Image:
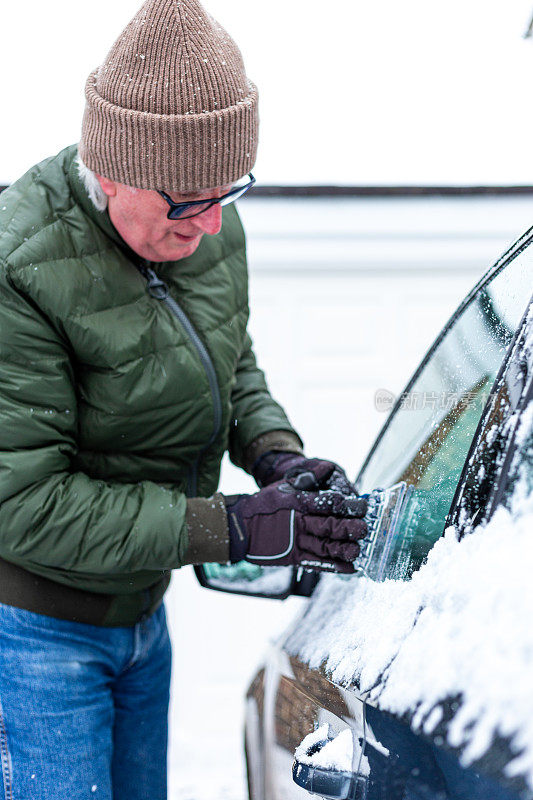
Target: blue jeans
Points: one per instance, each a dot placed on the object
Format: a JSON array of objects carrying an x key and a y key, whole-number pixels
[{"x": 83, "y": 709}]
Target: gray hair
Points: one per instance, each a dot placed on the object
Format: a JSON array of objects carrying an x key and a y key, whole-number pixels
[{"x": 92, "y": 185}]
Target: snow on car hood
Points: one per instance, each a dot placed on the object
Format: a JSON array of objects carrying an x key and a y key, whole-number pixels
[{"x": 461, "y": 626}]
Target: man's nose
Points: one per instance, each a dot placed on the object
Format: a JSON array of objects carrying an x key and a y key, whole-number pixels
[{"x": 210, "y": 220}]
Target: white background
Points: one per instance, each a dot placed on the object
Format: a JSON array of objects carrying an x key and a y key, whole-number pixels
[{"x": 352, "y": 91}]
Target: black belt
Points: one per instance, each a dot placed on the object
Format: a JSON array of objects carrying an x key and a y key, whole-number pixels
[{"x": 31, "y": 592}]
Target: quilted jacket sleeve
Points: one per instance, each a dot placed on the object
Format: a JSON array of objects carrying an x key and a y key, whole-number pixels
[
  {"x": 54, "y": 521},
  {"x": 255, "y": 412}
]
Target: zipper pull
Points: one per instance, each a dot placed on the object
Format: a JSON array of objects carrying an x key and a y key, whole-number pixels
[{"x": 155, "y": 286}]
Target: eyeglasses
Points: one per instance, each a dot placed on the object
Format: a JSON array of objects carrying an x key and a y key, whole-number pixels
[{"x": 195, "y": 207}]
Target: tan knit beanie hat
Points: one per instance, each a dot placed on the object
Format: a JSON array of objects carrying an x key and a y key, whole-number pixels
[{"x": 171, "y": 107}]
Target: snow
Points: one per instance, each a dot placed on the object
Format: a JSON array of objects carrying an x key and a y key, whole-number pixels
[
  {"x": 526, "y": 424},
  {"x": 336, "y": 754},
  {"x": 462, "y": 625},
  {"x": 321, "y": 734}
]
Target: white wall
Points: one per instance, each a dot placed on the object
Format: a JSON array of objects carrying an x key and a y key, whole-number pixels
[{"x": 352, "y": 91}]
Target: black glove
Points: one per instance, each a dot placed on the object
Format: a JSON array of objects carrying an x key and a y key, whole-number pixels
[
  {"x": 282, "y": 525},
  {"x": 276, "y": 466}
]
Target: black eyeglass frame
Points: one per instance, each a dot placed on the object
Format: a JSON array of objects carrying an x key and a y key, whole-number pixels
[{"x": 177, "y": 210}]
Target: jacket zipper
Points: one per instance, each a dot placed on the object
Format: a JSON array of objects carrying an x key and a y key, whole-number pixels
[{"x": 160, "y": 291}]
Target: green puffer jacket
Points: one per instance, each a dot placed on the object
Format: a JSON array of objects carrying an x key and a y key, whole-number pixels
[{"x": 108, "y": 415}]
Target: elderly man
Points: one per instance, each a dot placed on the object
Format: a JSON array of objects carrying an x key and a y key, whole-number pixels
[{"x": 126, "y": 373}]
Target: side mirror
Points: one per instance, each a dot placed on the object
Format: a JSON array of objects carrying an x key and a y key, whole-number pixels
[{"x": 244, "y": 578}]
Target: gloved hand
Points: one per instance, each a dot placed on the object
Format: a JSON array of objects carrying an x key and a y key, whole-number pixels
[
  {"x": 281, "y": 525},
  {"x": 276, "y": 466}
]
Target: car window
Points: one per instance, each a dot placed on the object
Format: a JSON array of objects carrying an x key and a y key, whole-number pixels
[{"x": 426, "y": 442}]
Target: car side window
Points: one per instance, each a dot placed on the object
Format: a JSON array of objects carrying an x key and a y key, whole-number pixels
[{"x": 427, "y": 440}]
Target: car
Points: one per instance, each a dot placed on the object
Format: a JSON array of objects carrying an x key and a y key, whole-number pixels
[{"x": 358, "y": 698}]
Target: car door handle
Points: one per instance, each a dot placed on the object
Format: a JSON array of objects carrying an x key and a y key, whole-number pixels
[{"x": 328, "y": 782}]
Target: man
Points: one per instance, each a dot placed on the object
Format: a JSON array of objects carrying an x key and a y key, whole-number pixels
[{"x": 126, "y": 373}]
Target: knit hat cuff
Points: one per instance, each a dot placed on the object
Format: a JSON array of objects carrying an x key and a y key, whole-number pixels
[{"x": 179, "y": 153}]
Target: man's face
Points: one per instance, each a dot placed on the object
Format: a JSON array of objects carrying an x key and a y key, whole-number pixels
[{"x": 140, "y": 217}]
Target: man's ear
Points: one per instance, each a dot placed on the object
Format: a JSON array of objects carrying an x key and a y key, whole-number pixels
[{"x": 109, "y": 187}]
